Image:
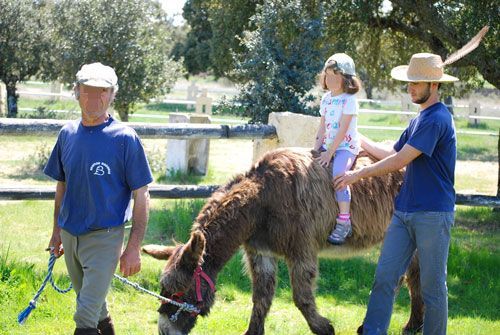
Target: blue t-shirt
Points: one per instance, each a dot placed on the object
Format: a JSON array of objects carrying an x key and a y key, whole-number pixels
[
  {"x": 429, "y": 179},
  {"x": 101, "y": 166}
]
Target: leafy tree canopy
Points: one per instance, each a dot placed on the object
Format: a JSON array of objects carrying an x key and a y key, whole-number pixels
[
  {"x": 277, "y": 72},
  {"x": 379, "y": 34},
  {"x": 132, "y": 36},
  {"x": 216, "y": 27},
  {"x": 23, "y": 43}
]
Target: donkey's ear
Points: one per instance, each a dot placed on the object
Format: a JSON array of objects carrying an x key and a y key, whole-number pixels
[
  {"x": 158, "y": 251},
  {"x": 193, "y": 250}
]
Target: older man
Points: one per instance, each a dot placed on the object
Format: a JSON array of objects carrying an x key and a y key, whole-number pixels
[
  {"x": 99, "y": 164},
  {"x": 424, "y": 208}
]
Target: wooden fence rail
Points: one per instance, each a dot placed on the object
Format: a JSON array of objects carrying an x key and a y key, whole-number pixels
[
  {"x": 155, "y": 191},
  {"x": 148, "y": 130},
  {"x": 195, "y": 191}
]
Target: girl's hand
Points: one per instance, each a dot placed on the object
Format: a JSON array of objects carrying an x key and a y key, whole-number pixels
[{"x": 324, "y": 158}]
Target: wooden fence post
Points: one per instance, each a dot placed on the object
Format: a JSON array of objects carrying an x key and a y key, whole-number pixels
[
  {"x": 204, "y": 103},
  {"x": 56, "y": 88},
  {"x": 177, "y": 150},
  {"x": 3, "y": 100},
  {"x": 406, "y": 106},
  {"x": 188, "y": 156},
  {"x": 192, "y": 93},
  {"x": 198, "y": 149},
  {"x": 474, "y": 110}
]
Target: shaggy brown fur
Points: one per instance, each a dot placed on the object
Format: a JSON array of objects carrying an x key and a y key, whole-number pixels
[{"x": 283, "y": 207}]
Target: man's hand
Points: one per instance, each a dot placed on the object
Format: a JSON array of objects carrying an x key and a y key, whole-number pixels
[
  {"x": 55, "y": 245},
  {"x": 346, "y": 179},
  {"x": 324, "y": 158},
  {"x": 130, "y": 262}
]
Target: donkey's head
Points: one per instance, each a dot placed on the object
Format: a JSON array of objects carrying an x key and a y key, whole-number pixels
[{"x": 183, "y": 281}]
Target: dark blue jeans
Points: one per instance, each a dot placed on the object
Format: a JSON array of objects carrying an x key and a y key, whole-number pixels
[{"x": 429, "y": 233}]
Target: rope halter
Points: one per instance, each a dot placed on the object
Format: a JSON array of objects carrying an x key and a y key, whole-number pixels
[{"x": 198, "y": 274}]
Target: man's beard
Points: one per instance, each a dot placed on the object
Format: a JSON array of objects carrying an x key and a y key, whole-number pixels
[{"x": 425, "y": 96}]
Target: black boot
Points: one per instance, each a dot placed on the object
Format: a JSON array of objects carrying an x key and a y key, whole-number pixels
[
  {"x": 87, "y": 331},
  {"x": 106, "y": 326}
]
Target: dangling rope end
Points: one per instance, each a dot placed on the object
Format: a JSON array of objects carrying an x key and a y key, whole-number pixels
[{"x": 21, "y": 318}]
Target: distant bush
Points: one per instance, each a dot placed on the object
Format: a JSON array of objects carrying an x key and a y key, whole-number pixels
[
  {"x": 36, "y": 161},
  {"x": 282, "y": 59},
  {"x": 156, "y": 159}
]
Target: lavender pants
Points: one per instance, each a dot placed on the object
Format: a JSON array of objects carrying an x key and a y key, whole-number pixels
[{"x": 343, "y": 162}]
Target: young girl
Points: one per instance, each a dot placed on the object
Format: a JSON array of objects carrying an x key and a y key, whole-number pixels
[{"x": 337, "y": 135}]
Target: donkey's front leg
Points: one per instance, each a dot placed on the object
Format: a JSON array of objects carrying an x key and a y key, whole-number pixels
[
  {"x": 263, "y": 272},
  {"x": 302, "y": 277}
]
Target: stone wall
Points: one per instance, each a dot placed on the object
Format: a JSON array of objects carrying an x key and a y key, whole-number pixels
[{"x": 293, "y": 130}]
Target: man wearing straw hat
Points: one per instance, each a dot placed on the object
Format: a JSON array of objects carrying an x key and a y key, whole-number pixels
[{"x": 424, "y": 207}]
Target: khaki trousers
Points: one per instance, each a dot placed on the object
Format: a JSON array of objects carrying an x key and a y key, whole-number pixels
[{"x": 91, "y": 260}]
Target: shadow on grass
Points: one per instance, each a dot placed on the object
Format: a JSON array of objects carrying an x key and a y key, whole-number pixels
[
  {"x": 179, "y": 178},
  {"x": 28, "y": 174},
  {"x": 473, "y": 153}
]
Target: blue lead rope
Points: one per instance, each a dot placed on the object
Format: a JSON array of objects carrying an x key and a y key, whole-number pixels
[{"x": 21, "y": 318}]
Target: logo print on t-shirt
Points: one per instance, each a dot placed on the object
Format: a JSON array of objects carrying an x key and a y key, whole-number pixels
[{"x": 100, "y": 169}]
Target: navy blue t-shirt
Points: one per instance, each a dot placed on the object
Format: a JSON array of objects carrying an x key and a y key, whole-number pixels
[
  {"x": 429, "y": 179},
  {"x": 101, "y": 166}
]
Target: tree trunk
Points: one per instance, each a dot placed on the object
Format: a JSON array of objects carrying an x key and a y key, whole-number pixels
[
  {"x": 123, "y": 112},
  {"x": 369, "y": 90},
  {"x": 11, "y": 99}
]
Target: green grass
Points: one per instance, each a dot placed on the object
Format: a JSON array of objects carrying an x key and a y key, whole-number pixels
[
  {"x": 342, "y": 293},
  {"x": 62, "y": 104}
]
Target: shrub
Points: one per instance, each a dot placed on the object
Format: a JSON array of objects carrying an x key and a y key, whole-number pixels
[
  {"x": 38, "y": 159},
  {"x": 282, "y": 60}
]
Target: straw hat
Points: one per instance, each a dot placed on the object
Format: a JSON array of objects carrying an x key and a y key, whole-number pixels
[{"x": 424, "y": 67}]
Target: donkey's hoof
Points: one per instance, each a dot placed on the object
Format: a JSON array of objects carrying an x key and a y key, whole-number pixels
[{"x": 324, "y": 329}]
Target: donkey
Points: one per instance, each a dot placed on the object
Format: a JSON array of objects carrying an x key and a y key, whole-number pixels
[{"x": 284, "y": 206}]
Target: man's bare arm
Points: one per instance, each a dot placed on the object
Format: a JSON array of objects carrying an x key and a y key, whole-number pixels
[
  {"x": 130, "y": 261},
  {"x": 391, "y": 163},
  {"x": 377, "y": 150},
  {"x": 55, "y": 244}
]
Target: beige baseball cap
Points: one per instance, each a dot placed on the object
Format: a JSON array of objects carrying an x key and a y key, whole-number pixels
[{"x": 97, "y": 75}]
